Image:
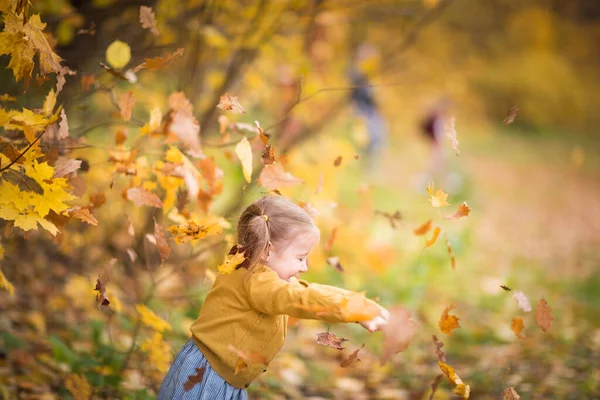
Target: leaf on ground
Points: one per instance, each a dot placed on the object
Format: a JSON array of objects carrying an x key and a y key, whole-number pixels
[
  {"x": 244, "y": 153},
  {"x": 352, "y": 358},
  {"x": 522, "y": 300},
  {"x": 451, "y": 134},
  {"x": 84, "y": 215},
  {"x": 448, "y": 322},
  {"x": 543, "y": 315},
  {"x": 441, "y": 354},
  {"x": 275, "y": 177},
  {"x": 423, "y": 229},
  {"x": 450, "y": 252},
  {"x": 512, "y": 114},
  {"x": 148, "y": 19},
  {"x": 65, "y": 166},
  {"x": 330, "y": 339},
  {"x": 335, "y": 263},
  {"x": 517, "y": 326},
  {"x": 126, "y": 104},
  {"x": 161, "y": 242},
  {"x": 158, "y": 63},
  {"x": 510, "y": 394},
  {"x": 142, "y": 197},
  {"x": 463, "y": 211},
  {"x": 228, "y": 102},
  {"x": 194, "y": 379},
  {"x": 461, "y": 389},
  {"x": 231, "y": 262},
  {"x": 438, "y": 199},
  {"x": 398, "y": 332},
  {"x": 432, "y": 240}
]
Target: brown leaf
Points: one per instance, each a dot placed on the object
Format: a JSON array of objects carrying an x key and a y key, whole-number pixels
[
  {"x": 543, "y": 315},
  {"x": 268, "y": 156},
  {"x": 436, "y": 233},
  {"x": 335, "y": 263},
  {"x": 65, "y": 166},
  {"x": 393, "y": 218},
  {"x": 435, "y": 384},
  {"x": 113, "y": 71},
  {"x": 351, "y": 358},
  {"x": 87, "y": 81},
  {"x": 102, "y": 297},
  {"x": 183, "y": 123},
  {"x": 512, "y": 113},
  {"x": 158, "y": 63},
  {"x": 126, "y": 103},
  {"x": 450, "y": 251},
  {"x": 63, "y": 125},
  {"x": 517, "y": 326},
  {"x": 97, "y": 199},
  {"x": 121, "y": 136},
  {"x": 463, "y": 211},
  {"x": 506, "y": 288},
  {"x": 441, "y": 354},
  {"x": 338, "y": 161},
  {"x": 331, "y": 340},
  {"x": 228, "y": 102},
  {"x": 161, "y": 243},
  {"x": 398, "y": 332},
  {"x": 142, "y": 197},
  {"x": 510, "y": 394},
  {"x": 83, "y": 214},
  {"x": 194, "y": 379},
  {"x": 148, "y": 19},
  {"x": 448, "y": 322},
  {"x": 274, "y": 177}
]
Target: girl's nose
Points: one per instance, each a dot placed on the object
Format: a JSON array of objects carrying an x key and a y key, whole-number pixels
[{"x": 304, "y": 267}]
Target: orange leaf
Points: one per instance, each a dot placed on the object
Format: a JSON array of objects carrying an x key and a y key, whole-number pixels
[
  {"x": 510, "y": 394},
  {"x": 253, "y": 357},
  {"x": 157, "y": 63},
  {"x": 331, "y": 340},
  {"x": 228, "y": 102},
  {"x": 126, "y": 103},
  {"x": 447, "y": 321},
  {"x": 461, "y": 389},
  {"x": 437, "y": 200},
  {"x": 87, "y": 81},
  {"x": 512, "y": 113},
  {"x": 141, "y": 197},
  {"x": 543, "y": 315},
  {"x": 463, "y": 211},
  {"x": 268, "y": 156},
  {"x": 194, "y": 379},
  {"x": 356, "y": 307},
  {"x": 398, "y": 332},
  {"x": 161, "y": 243},
  {"x": 423, "y": 229},
  {"x": 83, "y": 214},
  {"x": 351, "y": 358},
  {"x": 517, "y": 326},
  {"x": 274, "y": 177},
  {"x": 436, "y": 233},
  {"x": 331, "y": 239}
]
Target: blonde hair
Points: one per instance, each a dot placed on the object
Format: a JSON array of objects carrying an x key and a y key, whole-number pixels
[{"x": 272, "y": 219}]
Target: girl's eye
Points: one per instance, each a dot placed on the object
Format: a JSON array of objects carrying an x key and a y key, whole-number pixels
[{"x": 301, "y": 259}]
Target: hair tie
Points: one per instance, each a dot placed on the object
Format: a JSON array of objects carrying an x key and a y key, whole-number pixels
[{"x": 265, "y": 217}]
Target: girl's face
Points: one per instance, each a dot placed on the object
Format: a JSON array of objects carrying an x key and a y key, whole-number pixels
[{"x": 289, "y": 258}]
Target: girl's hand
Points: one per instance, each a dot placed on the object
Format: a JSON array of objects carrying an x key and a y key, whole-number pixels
[{"x": 377, "y": 323}]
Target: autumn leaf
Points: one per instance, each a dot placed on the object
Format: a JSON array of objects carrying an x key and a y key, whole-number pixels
[
  {"x": 335, "y": 263},
  {"x": 268, "y": 156},
  {"x": 435, "y": 383},
  {"x": 228, "y": 102},
  {"x": 510, "y": 394},
  {"x": 338, "y": 161},
  {"x": 87, "y": 81},
  {"x": 126, "y": 103},
  {"x": 5, "y": 284},
  {"x": 65, "y": 166},
  {"x": 451, "y": 134},
  {"x": 439, "y": 199},
  {"x": 517, "y": 326},
  {"x": 244, "y": 153},
  {"x": 102, "y": 296},
  {"x": 188, "y": 232},
  {"x": 331, "y": 239},
  {"x": 7, "y": 97},
  {"x": 512, "y": 113},
  {"x": 231, "y": 262},
  {"x": 159, "y": 352},
  {"x": 461, "y": 389},
  {"x": 158, "y": 63},
  {"x": 423, "y": 229},
  {"x": 356, "y": 307},
  {"x": 150, "y": 319},
  {"x": 352, "y": 358},
  {"x": 274, "y": 177},
  {"x": 330, "y": 339},
  {"x": 194, "y": 379},
  {"x": 448, "y": 322},
  {"x": 148, "y": 19},
  {"x": 240, "y": 366},
  {"x": 522, "y": 300},
  {"x": 441, "y": 354},
  {"x": 543, "y": 315},
  {"x": 161, "y": 243},
  {"x": 506, "y": 288},
  {"x": 463, "y": 211},
  {"x": 63, "y": 125},
  {"x": 142, "y": 197},
  {"x": 398, "y": 332},
  {"x": 49, "y": 103},
  {"x": 183, "y": 123},
  {"x": 84, "y": 215},
  {"x": 79, "y": 387},
  {"x": 393, "y": 218},
  {"x": 118, "y": 54},
  {"x": 450, "y": 252},
  {"x": 432, "y": 240}
]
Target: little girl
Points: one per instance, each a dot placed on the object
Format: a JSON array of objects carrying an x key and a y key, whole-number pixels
[{"x": 247, "y": 311}]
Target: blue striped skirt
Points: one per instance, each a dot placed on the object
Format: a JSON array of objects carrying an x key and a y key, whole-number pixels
[{"x": 212, "y": 386}]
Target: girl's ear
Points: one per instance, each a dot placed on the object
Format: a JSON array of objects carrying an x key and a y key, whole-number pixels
[{"x": 269, "y": 248}]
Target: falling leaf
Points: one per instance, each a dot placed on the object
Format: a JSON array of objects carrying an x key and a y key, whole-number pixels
[
  {"x": 320, "y": 184},
  {"x": 183, "y": 123},
  {"x": 244, "y": 153},
  {"x": 510, "y": 394},
  {"x": 393, "y": 218},
  {"x": 194, "y": 379},
  {"x": 512, "y": 113},
  {"x": 268, "y": 156},
  {"x": 253, "y": 357},
  {"x": 65, "y": 166},
  {"x": 142, "y": 197},
  {"x": 461, "y": 389},
  {"x": 517, "y": 326},
  {"x": 543, "y": 315},
  {"x": 161, "y": 243},
  {"x": 331, "y": 340},
  {"x": 331, "y": 239},
  {"x": 126, "y": 103},
  {"x": 352, "y": 358},
  {"x": 338, "y": 161},
  {"x": 423, "y": 229},
  {"x": 87, "y": 81},
  {"x": 450, "y": 251},
  {"x": 312, "y": 211},
  {"x": 436, "y": 233},
  {"x": 522, "y": 300},
  {"x": 158, "y": 63},
  {"x": 441, "y": 354},
  {"x": 463, "y": 211},
  {"x": 63, "y": 125},
  {"x": 398, "y": 332},
  {"x": 451, "y": 134},
  {"x": 49, "y": 103},
  {"x": 506, "y": 288},
  {"x": 356, "y": 307},
  {"x": 439, "y": 199},
  {"x": 448, "y": 322},
  {"x": 231, "y": 262},
  {"x": 118, "y": 54},
  {"x": 434, "y": 385},
  {"x": 5, "y": 284},
  {"x": 148, "y": 19},
  {"x": 113, "y": 71},
  {"x": 275, "y": 177},
  {"x": 335, "y": 263},
  {"x": 228, "y": 102},
  {"x": 83, "y": 214}
]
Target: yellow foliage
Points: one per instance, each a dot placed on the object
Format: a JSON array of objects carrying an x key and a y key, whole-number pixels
[
  {"x": 159, "y": 352},
  {"x": 231, "y": 262},
  {"x": 79, "y": 387},
  {"x": 152, "y": 320},
  {"x": 461, "y": 389},
  {"x": 5, "y": 284}
]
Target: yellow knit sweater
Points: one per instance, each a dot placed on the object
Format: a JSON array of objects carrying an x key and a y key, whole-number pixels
[{"x": 251, "y": 314}]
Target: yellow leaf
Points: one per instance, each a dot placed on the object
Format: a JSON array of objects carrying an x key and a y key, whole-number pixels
[
  {"x": 517, "y": 326},
  {"x": 158, "y": 63},
  {"x": 213, "y": 37},
  {"x": 244, "y": 153},
  {"x": 5, "y": 284},
  {"x": 126, "y": 103},
  {"x": 436, "y": 233},
  {"x": 460, "y": 389},
  {"x": 49, "y": 103},
  {"x": 79, "y": 387},
  {"x": 118, "y": 54},
  {"x": 439, "y": 199},
  {"x": 463, "y": 211},
  {"x": 152, "y": 320},
  {"x": 231, "y": 262},
  {"x": 154, "y": 124},
  {"x": 447, "y": 321},
  {"x": 159, "y": 352}
]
